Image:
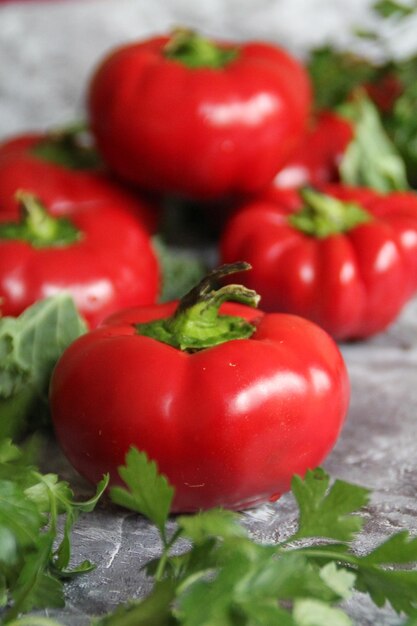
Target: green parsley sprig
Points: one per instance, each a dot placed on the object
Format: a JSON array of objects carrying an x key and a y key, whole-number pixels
[
  {"x": 225, "y": 578},
  {"x": 33, "y": 563},
  {"x": 30, "y": 345}
]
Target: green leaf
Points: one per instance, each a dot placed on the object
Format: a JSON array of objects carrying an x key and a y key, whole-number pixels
[
  {"x": 211, "y": 523},
  {"x": 48, "y": 489},
  {"x": 180, "y": 270},
  {"x": 73, "y": 509},
  {"x": 8, "y": 546},
  {"x": 398, "y": 587},
  {"x": 240, "y": 574},
  {"x": 266, "y": 614},
  {"x": 34, "y": 587},
  {"x": 390, "y": 8},
  {"x": 3, "y": 591},
  {"x": 18, "y": 516},
  {"x": 216, "y": 595},
  {"x": 46, "y": 329},
  {"x": 34, "y": 620},
  {"x": 315, "y": 613},
  {"x": 287, "y": 577},
  {"x": 336, "y": 74},
  {"x": 328, "y": 511},
  {"x": 402, "y": 123},
  {"x": 30, "y": 345},
  {"x": 340, "y": 580},
  {"x": 399, "y": 548},
  {"x": 371, "y": 159},
  {"x": 9, "y": 452},
  {"x": 89, "y": 505},
  {"x": 148, "y": 493},
  {"x": 14, "y": 370}
]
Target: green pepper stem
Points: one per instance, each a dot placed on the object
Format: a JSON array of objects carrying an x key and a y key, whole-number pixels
[
  {"x": 196, "y": 323},
  {"x": 196, "y": 51},
  {"x": 323, "y": 215},
  {"x": 37, "y": 227},
  {"x": 69, "y": 147}
]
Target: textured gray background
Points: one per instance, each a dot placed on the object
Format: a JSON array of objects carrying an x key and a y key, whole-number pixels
[
  {"x": 47, "y": 53},
  {"x": 49, "y": 49}
]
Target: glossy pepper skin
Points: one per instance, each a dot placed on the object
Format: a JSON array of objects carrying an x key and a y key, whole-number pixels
[
  {"x": 352, "y": 283},
  {"x": 316, "y": 161},
  {"x": 108, "y": 263},
  {"x": 63, "y": 188},
  {"x": 228, "y": 425},
  {"x": 203, "y": 131}
]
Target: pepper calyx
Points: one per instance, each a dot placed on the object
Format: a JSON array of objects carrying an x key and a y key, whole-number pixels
[
  {"x": 196, "y": 51},
  {"x": 69, "y": 147},
  {"x": 196, "y": 323},
  {"x": 37, "y": 227},
  {"x": 322, "y": 215}
]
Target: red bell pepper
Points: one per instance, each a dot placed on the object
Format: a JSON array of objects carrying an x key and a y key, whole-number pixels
[
  {"x": 102, "y": 256},
  {"x": 187, "y": 115},
  {"x": 230, "y": 406},
  {"x": 349, "y": 146},
  {"x": 347, "y": 260},
  {"x": 65, "y": 174},
  {"x": 317, "y": 159}
]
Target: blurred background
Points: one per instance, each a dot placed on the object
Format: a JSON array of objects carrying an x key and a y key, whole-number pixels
[{"x": 48, "y": 48}]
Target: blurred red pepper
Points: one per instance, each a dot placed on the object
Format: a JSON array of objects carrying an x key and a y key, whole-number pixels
[
  {"x": 101, "y": 255},
  {"x": 203, "y": 119},
  {"x": 65, "y": 174},
  {"x": 384, "y": 90},
  {"x": 346, "y": 258},
  {"x": 349, "y": 145},
  {"x": 317, "y": 159}
]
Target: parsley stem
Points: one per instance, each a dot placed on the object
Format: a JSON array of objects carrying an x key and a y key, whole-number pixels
[
  {"x": 165, "y": 554},
  {"x": 34, "y": 621},
  {"x": 190, "y": 580},
  {"x": 349, "y": 559}
]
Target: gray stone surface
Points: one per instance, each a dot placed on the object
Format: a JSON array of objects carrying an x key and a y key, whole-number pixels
[{"x": 47, "y": 53}]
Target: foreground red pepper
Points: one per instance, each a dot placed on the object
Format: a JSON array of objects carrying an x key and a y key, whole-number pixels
[
  {"x": 65, "y": 174},
  {"x": 230, "y": 406},
  {"x": 349, "y": 266},
  {"x": 187, "y": 115},
  {"x": 102, "y": 256}
]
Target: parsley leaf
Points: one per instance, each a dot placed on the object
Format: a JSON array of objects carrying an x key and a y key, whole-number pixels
[
  {"x": 298, "y": 582},
  {"x": 214, "y": 522},
  {"x": 20, "y": 521},
  {"x": 180, "y": 270},
  {"x": 390, "y": 8},
  {"x": 317, "y": 613},
  {"x": 31, "y": 567},
  {"x": 148, "y": 492},
  {"x": 336, "y": 74},
  {"x": 385, "y": 585},
  {"x": 328, "y": 512},
  {"x": 30, "y": 345},
  {"x": 399, "y": 548},
  {"x": 371, "y": 159}
]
